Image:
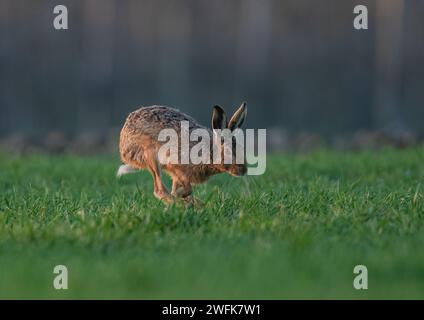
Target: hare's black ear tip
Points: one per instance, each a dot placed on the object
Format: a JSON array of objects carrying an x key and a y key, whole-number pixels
[
  {"x": 217, "y": 108},
  {"x": 243, "y": 107}
]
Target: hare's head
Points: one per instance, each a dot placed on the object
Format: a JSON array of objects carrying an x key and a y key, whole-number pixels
[{"x": 229, "y": 140}]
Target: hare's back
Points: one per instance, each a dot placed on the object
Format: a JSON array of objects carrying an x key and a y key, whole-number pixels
[{"x": 152, "y": 119}]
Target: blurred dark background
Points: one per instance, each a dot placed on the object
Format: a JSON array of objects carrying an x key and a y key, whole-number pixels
[{"x": 308, "y": 76}]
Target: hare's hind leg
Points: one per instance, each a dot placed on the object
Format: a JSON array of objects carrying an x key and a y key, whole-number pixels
[{"x": 153, "y": 166}]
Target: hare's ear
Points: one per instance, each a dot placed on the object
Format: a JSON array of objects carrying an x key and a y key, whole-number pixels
[
  {"x": 238, "y": 117},
  {"x": 219, "y": 118}
]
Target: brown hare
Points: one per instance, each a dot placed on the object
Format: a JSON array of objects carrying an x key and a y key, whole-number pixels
[{"x": 139, "y": 147}]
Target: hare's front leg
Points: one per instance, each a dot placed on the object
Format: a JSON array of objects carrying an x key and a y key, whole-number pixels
[
  {"x": 181, "y": 189},
  {"x": 159, "y": 189},
  {"x": 184, "y": 190}
]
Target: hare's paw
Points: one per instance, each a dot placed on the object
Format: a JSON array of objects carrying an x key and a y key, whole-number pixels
[
  {"x": 169, "y": 199},
  {"x": 193, "y": 201},
  {"x": 164, "y": 197}
]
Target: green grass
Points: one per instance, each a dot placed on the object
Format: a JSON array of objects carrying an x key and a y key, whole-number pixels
[{"x": 295, "y": 232}]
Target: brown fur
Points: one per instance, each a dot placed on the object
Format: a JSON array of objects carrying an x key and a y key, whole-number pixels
[{"x": 139, "y": 146}]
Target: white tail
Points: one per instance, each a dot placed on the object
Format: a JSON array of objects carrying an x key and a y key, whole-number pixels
[{"x": 125, "y": 169}]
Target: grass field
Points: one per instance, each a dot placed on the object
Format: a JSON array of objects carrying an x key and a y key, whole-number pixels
[{"x": 295, "y": 232}]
